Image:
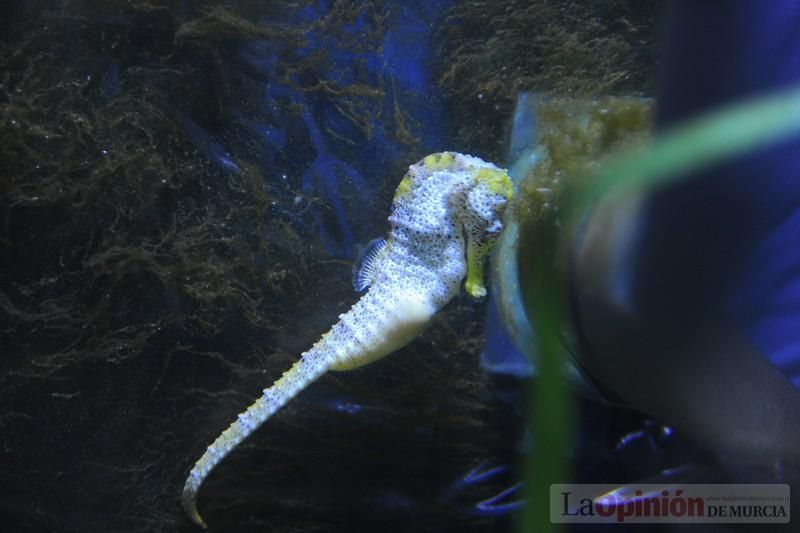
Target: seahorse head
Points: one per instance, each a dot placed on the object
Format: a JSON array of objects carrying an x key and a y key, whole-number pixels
[{"x": 458, "y": 195}]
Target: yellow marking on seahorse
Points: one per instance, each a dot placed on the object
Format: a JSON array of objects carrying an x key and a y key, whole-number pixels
[
  {"x": 497, "y": 180},
  {"x": 439, "y": 161},
  {"x": 403, "y": 188}
]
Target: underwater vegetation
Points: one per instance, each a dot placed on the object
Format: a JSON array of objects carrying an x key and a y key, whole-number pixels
[
  {"x": 171, "y": 240},
  {"x": 579, "y": 49},
  {"x": 183, "y": 188},
  {"x": 574, "y": 138},
  {"x": 556, "y": 144}
]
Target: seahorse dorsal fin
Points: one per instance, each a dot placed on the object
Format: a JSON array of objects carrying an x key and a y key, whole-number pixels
[{"x": 368, "y": 264}]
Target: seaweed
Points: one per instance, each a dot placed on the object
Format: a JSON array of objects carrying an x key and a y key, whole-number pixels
[
  {"x": 572, "y": 48},
  {"x": 159, "y": 266},
  {"x": 575, "y": 137}
]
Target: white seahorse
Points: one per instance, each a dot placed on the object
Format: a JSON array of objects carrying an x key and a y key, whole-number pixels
[{"x": 446, "y": 214}]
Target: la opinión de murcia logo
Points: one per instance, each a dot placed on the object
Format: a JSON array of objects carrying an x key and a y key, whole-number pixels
[{"x": 747, "y": 503}]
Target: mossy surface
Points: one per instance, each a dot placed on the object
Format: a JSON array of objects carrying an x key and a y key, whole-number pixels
[{"x": 575, "y": 137}]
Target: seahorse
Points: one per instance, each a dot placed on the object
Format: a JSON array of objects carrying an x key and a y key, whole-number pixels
[{"x": 446, "y": 214}]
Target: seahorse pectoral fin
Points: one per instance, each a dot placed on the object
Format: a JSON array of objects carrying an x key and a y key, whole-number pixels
[
  {"x": 367, "y": 264},
  {"x": 306, "y": 370}
]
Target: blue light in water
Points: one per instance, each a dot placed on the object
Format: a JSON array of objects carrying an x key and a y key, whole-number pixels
[
  {"x": 394, "y": 501},
  {"x": 211, "y": 148},
  {"x": 293, "y": 117},
  {"x": 349, "y": 408},
  {"x": 110, "y": 84},
  {"x": 496, "y": 505}
]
